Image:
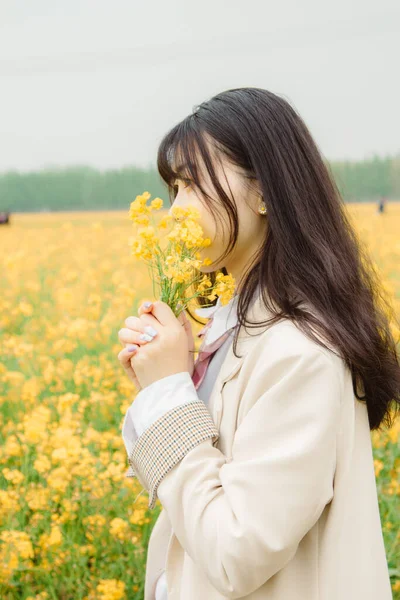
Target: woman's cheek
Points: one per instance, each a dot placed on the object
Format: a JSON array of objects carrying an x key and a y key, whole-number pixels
[{"x": 208, "y": 226}]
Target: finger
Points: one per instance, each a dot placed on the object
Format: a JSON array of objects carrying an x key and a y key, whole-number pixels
[
  {"x": 134, "y": 323},
  {"x": 140, "y": 323},
  {"x": 143, "y": 324},
  {"x": 150, "y": 323},
  {"x": 183, "y": 319},
  {"x": 125, "y": 355},
  {"x": 145, "y": 307},
  {"x": 163, "y": 313},
  {"x": 127, "y": 336},
  {"x": 146, "y": 316},
  {"x": 125, "y": 358}
]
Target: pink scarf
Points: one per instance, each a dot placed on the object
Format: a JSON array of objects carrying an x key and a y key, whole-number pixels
[{"x": 206, "y": 351}]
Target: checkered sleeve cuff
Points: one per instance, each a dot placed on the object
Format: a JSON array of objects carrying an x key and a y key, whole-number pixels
[{"x": 165, "y": 443}]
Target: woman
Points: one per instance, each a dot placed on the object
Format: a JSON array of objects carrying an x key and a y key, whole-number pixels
[{"x": 264, "y": 471}]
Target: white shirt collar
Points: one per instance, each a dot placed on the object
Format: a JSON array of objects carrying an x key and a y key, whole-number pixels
[{"x": 224, "y": 317}]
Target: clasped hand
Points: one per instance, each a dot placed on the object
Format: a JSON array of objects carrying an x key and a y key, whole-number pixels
[{"x": 167, "y": 349}]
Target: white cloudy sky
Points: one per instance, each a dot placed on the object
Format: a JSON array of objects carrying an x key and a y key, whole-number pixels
[{"x": 99, "y": 82}]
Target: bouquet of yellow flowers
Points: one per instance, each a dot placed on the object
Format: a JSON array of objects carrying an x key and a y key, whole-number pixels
[{"x": 173, "y": 257}]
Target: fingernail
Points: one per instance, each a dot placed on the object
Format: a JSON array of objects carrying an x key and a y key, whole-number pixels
[
  {"x": 147, "y": 304},
  {"x": 132, "y": 348},
  {"x": 150, "y": 330},
  {"x": 145, "y": 337}
]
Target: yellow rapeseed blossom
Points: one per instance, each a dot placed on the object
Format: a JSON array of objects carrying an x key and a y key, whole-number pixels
[
  {"x": 63, "y": 398},
  {"x": 108, "y": 589},
  {"x": 176, "y": 266},
  {"x": 16, "y": 551},
  {"x": 40, "y": 596},
  {"x": 13, "y": 475},
  {"x": 9, "y": 503},
  {"x": 119, "y": 529},
  {"x": 54, "y": 538}
]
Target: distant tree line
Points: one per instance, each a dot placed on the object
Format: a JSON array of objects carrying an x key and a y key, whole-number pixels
[
  {"x": 368, "y": 179},
  {"x": 86, "y": 188},
  {"x": 77, "y": 188}
]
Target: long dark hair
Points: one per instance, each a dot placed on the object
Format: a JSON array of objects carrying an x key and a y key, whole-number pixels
[{"x": 311, "y": 252}]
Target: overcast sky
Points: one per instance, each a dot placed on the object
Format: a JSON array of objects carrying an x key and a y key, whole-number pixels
[{"x": 99, "y": 82}]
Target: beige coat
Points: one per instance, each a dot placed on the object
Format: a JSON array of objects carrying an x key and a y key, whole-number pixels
[{"x": 270, "y": 492}]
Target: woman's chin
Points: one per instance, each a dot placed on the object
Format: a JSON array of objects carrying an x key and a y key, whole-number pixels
[{"x": 207, "y": 269}]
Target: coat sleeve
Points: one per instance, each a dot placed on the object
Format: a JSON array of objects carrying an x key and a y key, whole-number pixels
[
  {"x": 241, "y": 518},
  {"x": 151, "y": 403}
]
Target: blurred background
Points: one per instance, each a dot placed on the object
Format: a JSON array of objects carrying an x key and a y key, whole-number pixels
[{"x": 88, "y": 89}]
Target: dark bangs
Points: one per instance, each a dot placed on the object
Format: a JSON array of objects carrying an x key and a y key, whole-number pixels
[
  {"x": 178, "y": 157},
  {"x": 178, "y": 153}
]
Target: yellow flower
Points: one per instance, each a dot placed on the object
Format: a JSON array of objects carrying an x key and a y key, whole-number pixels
[
  {"x": 55, "y": 537},
  {"x": 42, "y": 464},
  {"x": 204, "y": 284},
  {"x": 378, "y": 464},
  {"x": 179, "y": 213},
  {"x": 110, "y": 589},
  {"x": 119, "y": 529},
  {"x": 174, "y": 259},
  {"x": 20, "y": 540},
  {"x": 148, "y": 234},
  {"x": 165, "y": 221},
  {"x": 138, "y": 207},
  {"x": 142, "y": 220},
  {"x": 156, "y": 204},
  {"x": 37, "y": 498},
  {"x": 225, "y": 287},
  {"x": 140, "y": 250},
  {"x": 13, "y": 475}
]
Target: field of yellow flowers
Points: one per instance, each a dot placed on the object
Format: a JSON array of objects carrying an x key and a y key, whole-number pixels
[{"x": 69, "y": 526}]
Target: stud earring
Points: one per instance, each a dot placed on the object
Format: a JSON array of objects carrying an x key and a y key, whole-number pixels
[{"x": 262, "y": 209}]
